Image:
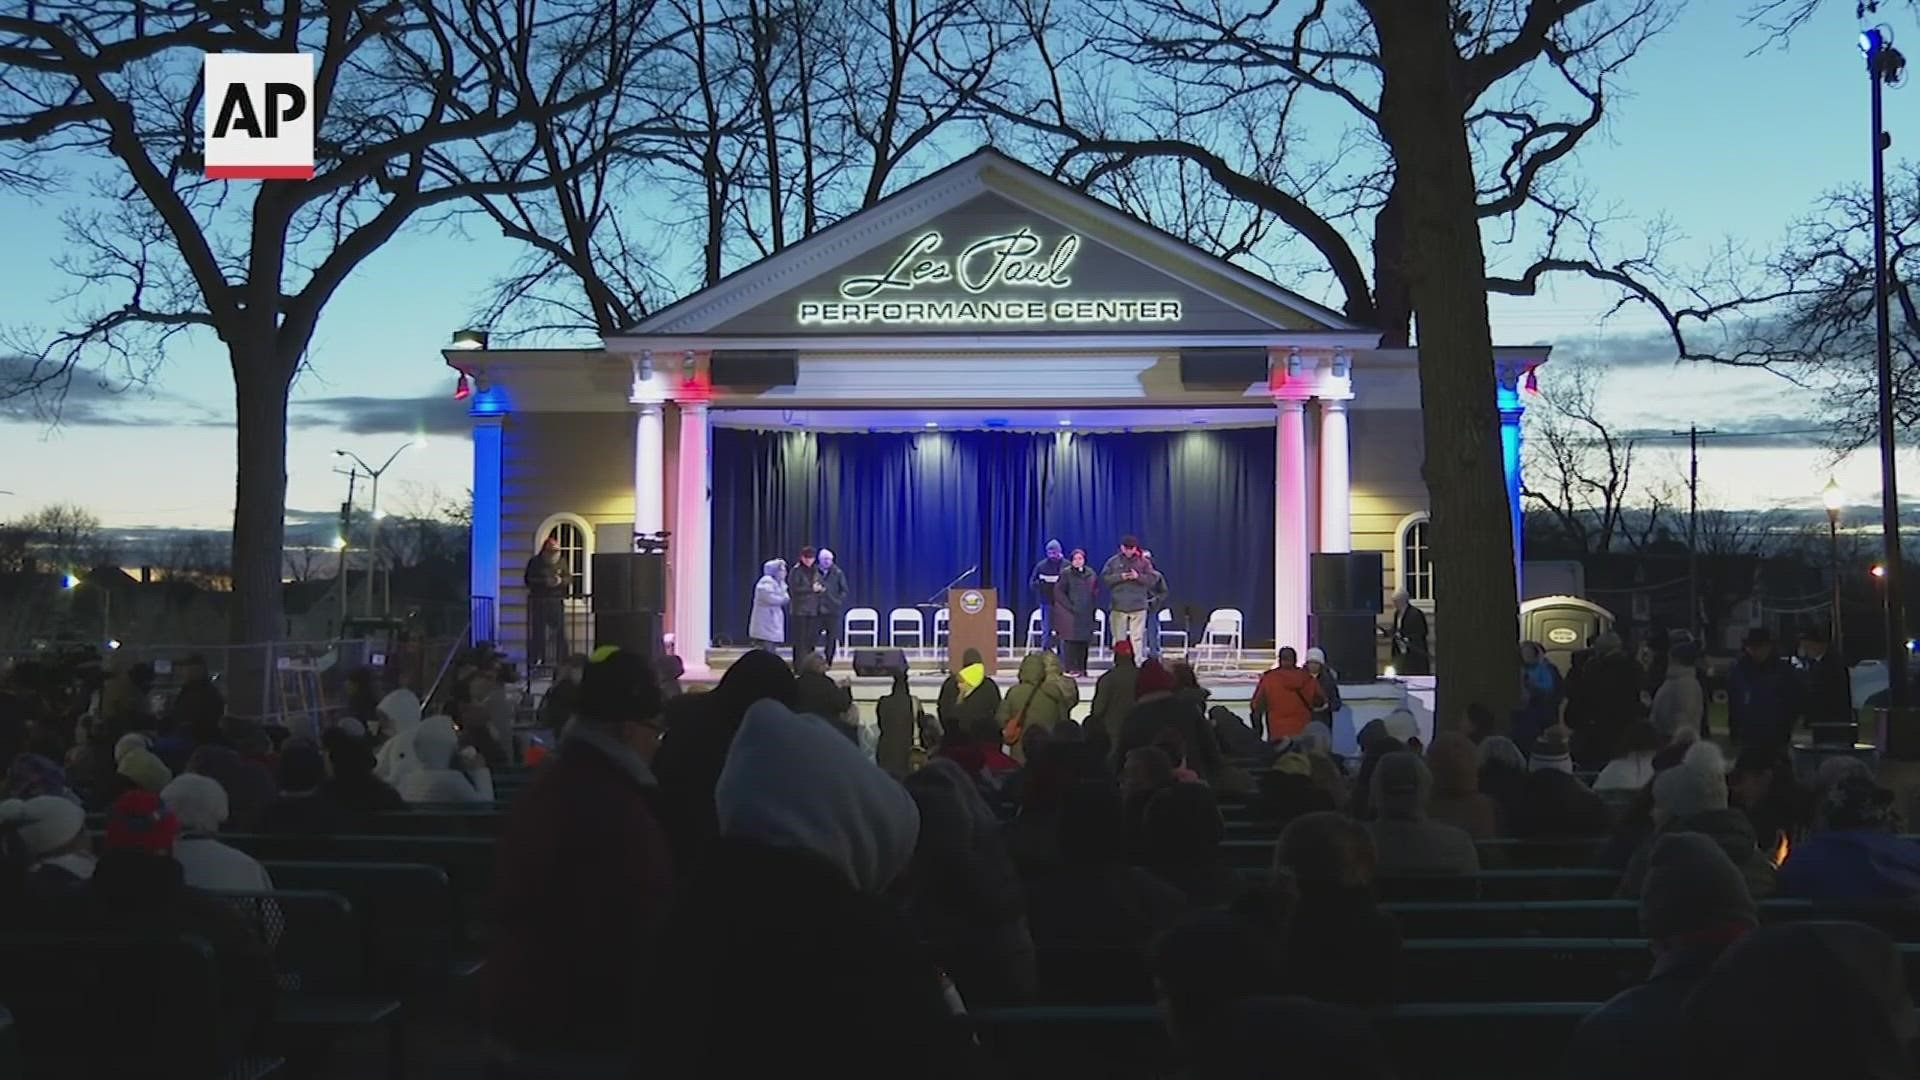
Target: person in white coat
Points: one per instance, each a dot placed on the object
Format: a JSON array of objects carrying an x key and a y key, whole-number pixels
[
  {"x": 399, "y": 714},
  {"x": 767, "y": 627},
  {"x": 201, "y": 805},
  {"x": 443, "y": 771},
  {"x": 1678, "y": 702}
]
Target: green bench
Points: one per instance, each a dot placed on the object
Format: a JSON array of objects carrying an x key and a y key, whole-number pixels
[
  {"x": 467, "y": 861},
  {"x": 113, "y": 1005},
  {"x": 487, "y": 822},
  {"x": 1492, "y": 885},
  {"x": 408, "y": 933}
]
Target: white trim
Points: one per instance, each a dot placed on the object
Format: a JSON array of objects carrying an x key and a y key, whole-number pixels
[
  {"x": 586, "y": 544},
  {"x": 1418, "y": 517},
  {"x": 1356, "y": 341}
]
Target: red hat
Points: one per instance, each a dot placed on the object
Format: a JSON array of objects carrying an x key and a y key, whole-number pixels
[
  {"x": 139, "y": 821},
  {"x": 1154, "y": 679},
  {"x": 1123, "y": 647}
]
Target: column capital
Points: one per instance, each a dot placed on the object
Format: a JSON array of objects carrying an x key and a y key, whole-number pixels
[
  {"x": 1290, "y": 404},
  {"x": 1334, "y": 404},
  {"x": 691, "y": 404},
  {"x": 648, "y": 407}
]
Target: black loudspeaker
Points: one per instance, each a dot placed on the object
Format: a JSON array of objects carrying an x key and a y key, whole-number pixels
[
  {"x": 1347, "y": 583},
  {"x": 1349, "y": 642},
  {"x": 632, "y": 631},
  {"x": 888, "y": 662},
  {"x": 625, "y": 582},
  {"x": 754, "y": 367},
  {"x": 1217, "y": 366}
]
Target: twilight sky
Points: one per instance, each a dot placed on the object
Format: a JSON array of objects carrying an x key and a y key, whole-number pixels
[{"x": 1726, "y": 144}]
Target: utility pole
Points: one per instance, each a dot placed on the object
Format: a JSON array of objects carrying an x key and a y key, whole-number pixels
[
  {"x": 1693, "y": 434},
  {"x": 1884, "y": 66},
  {"x": 345, "y": 543}
]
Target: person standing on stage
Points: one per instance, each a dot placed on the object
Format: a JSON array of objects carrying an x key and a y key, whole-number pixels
[
  {"x": 807, "y": 585},
  {"x": 1046, "y": 574},
  {"x": 1410, "y": 653},
  {"x": 546, "y": 581},
  {"x": 1130, "y": 580},
  {"x": 1156, "y": 603},
  {"x": 768, "y": 626},
  {"x": 1071, "y": 611},
  {"x": 833, "y": 601}
]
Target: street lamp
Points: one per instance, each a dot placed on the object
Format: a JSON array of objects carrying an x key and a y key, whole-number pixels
[
  {"x": 1833, "y": 498},
  {"x": 373, "y": 539},
  {"x": 73, "y": 582},
  {"x": 1885, "y": 67}
]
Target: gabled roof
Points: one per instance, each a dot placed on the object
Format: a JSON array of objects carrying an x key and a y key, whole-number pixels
[{"x": 1113, "y": 256}]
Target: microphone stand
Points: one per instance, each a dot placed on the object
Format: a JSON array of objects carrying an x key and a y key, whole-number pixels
[{"x": 939, "y": 595}]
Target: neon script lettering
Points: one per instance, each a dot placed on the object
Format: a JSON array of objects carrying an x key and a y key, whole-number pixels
[{"x": 1016, "y": 258}]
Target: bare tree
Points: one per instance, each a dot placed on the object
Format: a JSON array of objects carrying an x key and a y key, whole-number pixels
[
  {"x": 1580, "y": 472},
  {"x": 112, "y": 92},
  {"x": 67, "y": 538}
]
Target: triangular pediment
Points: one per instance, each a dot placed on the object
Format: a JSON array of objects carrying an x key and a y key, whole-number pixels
[{"x": 989, "y": 246}]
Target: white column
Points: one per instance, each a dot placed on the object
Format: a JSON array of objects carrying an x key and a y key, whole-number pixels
[
  {"x": 649, "y": 477},
  {"x": 484, "y": 581},
  {"x": 691, "y": 547},
  {"x": 1290, "y": 526},
  {"x": 1336, "y": 478}
]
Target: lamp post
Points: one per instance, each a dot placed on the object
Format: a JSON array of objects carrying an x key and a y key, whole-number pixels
[
  {"x": 1885, "y": 65},
  {"x": 1834, "y": 499},
  {"x": 373, "y": 506}
]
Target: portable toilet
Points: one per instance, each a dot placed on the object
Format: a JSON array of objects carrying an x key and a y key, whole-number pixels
[{"x": 1563, "y": 625}]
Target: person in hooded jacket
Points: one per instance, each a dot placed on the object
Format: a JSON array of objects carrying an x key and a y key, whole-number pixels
[
  {"x": 446, "y": 772},
  {"x": 1765, "y": 698},
  {"x": 964, "y": 896},
  {"x": 1405, "y": 841},
  {"x": 1803, "y": 999},
  {"x": 1456, "y": 799},
  {"x": 803, "y": 818},
  {"x": 1180, "y": 838},
  {"x": 767, "y": 624},
  {"x": 201, "y": 805},
  {"x": 898, "y": 716},
  {"x": 351, "y": 783},
  {"x": 399, "y": 717},
  {"x": 1603, "y": 699},
  {"x": 1856, "y": 853},
  {"x": 694, "y": 750},
  {"x": 1692, "y": 797},
  {"x": 582, "y": 881},
  {"x": 969, "y": 699},
  {"x": 303, "y": 806},
  {"x": 1695, "y": 904},
  {"x": 1160, "y": 714},
  {"x": 1679, "y": 701},
  {"x": 1041, "y": 698},
  {"x": 1075, "y": 596},
  {"x": 1114, "y": 692},
  {"x": 58, "y": 852},
  {"x": 1092, "y": 896},
  {"x": 1341, "y": 947}
]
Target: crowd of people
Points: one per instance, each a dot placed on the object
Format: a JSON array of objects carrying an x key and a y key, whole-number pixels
[{"x": 726, "y": 883}]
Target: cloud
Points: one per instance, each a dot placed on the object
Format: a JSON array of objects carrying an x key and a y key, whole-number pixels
[
  {"x": 431, "y": 414},
  {"x": 92, "y": 399},
  {"x": 1627, "y": 349},
  {"x": 1751, "y": 431}
]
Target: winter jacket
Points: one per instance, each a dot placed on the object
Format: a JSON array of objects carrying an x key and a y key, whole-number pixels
[
  {"x": 769, "y": 619},
  {"x": 897, "y": 714},
  {"x": 1113, "y": 696},
  {"x": 1456, "y": 798},
  {"x": 1045, "y": 576},
  {"x": 1284, "y": 698},
  {"x": 1679, "y": 701},
  {"x": 1404, "y": 840},
  {"x": 441, "y": 776},
  {"x": 1763, "y": 701},
  {"x": 801, "y": 580},
  {"x": 1553, "y": 805},
  {"x": 1728, "y": 828},
  {"x": 207, "y": 863},
  {"x": 399, "y": 714},
  {"x": 965, "y": 897},
  {"x": 834, "y": 600},
  {"x": 1074, "y": 598},
  {"x": 1129, "y": 594},
  {"x": 1642, "y": 1032},
  {"x": 1625, "y": 775},
  {"x": 582, "y": 880},
  {"x": 1603, "y": 700},
  {"x": 1853, "y": 865},
  {"x": 969, "y": 704},
  {"x": 1043, "y": 696},
  {"x": 545, "y": 579},
  {"x": 1829, "y": 697}
]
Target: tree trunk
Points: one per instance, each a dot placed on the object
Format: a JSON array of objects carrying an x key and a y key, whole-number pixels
[
  {"x": 1475, "y": 604},
  {"x": 260, "y": 384}
]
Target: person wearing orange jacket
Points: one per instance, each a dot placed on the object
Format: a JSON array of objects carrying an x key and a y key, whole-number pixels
[{"x": 1285, "y": 698}]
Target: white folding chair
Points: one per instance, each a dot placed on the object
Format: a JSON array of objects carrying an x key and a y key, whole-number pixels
[
  {"x": 941, "y": 617},
  {"x": 861, "y": 622},
  {"x": 1220, "y": 641},
  {"x": 1003, "y": 630},
  {"x": 1100, "y": 632},
  {"x": 1033, "y": 632},
  {"x": 904, "y": 624},
  {"x": 1169, "y": 632}
]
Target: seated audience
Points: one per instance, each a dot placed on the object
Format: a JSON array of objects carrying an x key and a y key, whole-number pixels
[
  {"x": 200, "y": 803},
  {"x": 964, "y": 896},
  {"x": 30, "y": 776},
  {"x": 52, "y": 830},
  {"x": 1375, "y": 744},
  {"x": 1694, "y": 904},
  {"x": 557, "y": 704},
  {"x": 1180, "y": 839},
  {"x": 1041, "y": 698},
  {"x": 1291, "y": 788},
  {"x": 1091, "y": 896},
  {"x": 303, "y": 807},
  {"x": 1404, "y": 840},
  {"x": 1632, "y": 766},
  {"x": 1202, "y": 967},
  {"x": 137, "y": 769},
  {"x": 1692, "y": 797},
  {"x": 969, "y": 701},
  {"x": 1145, "y": 772},
  {"x": 1763, "y": 786},
  {"x": 399, "y": 714},
  {"x": 694, "y": 749},
  {"x": 1856, "y": 852},
  {"x": 1114, "y": 693},
  {"x": 1503, "y": 778},
  {"x": 351, "y": 784},
  {"x": 444, "y": 771},
  {"x": 1456, "y": 799},
  {"x": 816, "y": 694},
  {"x": 581, "y": 883},
  {"x": 1555, "y": 804},
  {"x": 1341, "y": 947},
  {"x": 248, "y": 783},
  {"x": 785, "y": 922},
  {"x": 1801, "y": 1000}
]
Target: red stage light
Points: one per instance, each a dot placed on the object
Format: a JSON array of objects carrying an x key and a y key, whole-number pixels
[{"x": 462, "y": 389}]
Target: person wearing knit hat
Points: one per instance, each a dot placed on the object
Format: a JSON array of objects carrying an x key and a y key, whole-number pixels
[
  {"x": 201, "y": 804},
  {"x": 1405, "y": 840},
  {"x": 1285, "y": 697},
  {"x": 1694, "y": 905},
  {"x": 53, "y": 831},
  {"x": 139, "y": 821},
  {"x": 32, "y": 775},
  {"x": 1692, "y": 797},
  {"x": 1856, "y": 853},
  {"x": 131, "y": 741},
  {"x": 1154, "y": 680},
  {"x": 1457, "y": 799},
  {"x": 811, "y": 836},
  {"x": 1315, "y": 664},
  {"x": 1115, "y": 692},
  {"x": 1550, "y": 751},
  {"x": 140, "y": 768}
]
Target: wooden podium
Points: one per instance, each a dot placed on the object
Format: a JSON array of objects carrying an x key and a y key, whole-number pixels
[{"x": 972, "y": 623}]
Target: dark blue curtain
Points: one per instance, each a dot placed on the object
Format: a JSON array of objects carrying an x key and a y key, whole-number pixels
[{"x": 905, "y": 513}]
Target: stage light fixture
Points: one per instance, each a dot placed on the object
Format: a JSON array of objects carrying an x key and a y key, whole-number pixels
[
  {"x": 931, "y": 424},
  {"x": 462, "y": 388},
  {"x": 469, "y": 339},
  {"x": 1064, "y": 422}
]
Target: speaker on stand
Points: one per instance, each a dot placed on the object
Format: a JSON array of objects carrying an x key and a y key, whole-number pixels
[
  {"x": 1346, "y": 593},
  {"x": 629, "y": 591}
]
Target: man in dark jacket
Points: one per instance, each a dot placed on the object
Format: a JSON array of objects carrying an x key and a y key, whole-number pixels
[
  {"x": 1411, "y": 653},
  {"x": 546, "y": 581},
  {"x": 199, "y": 706},
  {"x": 1829, "y": 689},
  {"x": 1603, "y": 700},
  {"x": 807, "y": 585},
  {"x": 1045, "y": 576},
  {"x": 582, "y": 880},
  {"x": 1694, "y": 904},
  {"x": 1131, "y": 582},
  {"x": 898, "y": 716},
  {"x": 1114, "y": 692},
  {"x": 1764, "y": 698},
  {"x": 833, "y": 603}
]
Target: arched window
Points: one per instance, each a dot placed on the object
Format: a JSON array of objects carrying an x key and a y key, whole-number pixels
[
  {"x": 576, "y": 549},
  {"x": 1413, "y": 564}
]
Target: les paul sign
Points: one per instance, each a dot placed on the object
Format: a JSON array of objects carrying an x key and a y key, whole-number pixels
[{"x": 990, "y": 275}]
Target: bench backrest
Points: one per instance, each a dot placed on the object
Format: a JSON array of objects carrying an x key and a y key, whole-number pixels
[
  {"x": 406, "y": 917},
  {"x": 315, "y": 935},
  {"x": 98, "y": 1005}
]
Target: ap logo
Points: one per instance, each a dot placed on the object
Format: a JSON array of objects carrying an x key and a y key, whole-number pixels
[{"x": 259, "y": 116}]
